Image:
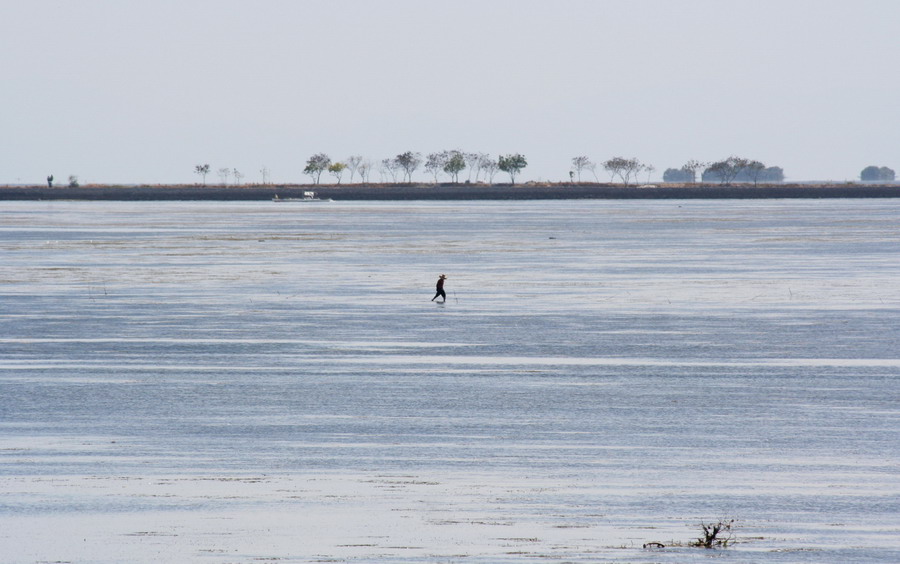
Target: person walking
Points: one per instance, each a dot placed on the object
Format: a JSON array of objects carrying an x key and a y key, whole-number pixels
[{"x": 440, "y": 289}]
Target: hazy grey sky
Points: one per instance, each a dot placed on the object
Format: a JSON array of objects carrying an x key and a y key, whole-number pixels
[{"x": 141, "y": 91}]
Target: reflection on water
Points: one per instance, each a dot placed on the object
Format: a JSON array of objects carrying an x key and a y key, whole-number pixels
[{"x": 632, "y": 365}]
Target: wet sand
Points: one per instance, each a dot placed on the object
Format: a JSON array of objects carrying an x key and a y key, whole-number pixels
[{"x": 223, "y": 382}]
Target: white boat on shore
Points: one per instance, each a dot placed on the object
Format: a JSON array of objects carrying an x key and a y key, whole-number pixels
[{"x": 308, "y": 196}]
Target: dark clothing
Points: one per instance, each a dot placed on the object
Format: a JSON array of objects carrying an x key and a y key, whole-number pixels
[{"x": 440, "y": 290}]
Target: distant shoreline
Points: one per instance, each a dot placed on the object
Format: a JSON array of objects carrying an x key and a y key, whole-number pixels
[{"x": 394, "y": 192}]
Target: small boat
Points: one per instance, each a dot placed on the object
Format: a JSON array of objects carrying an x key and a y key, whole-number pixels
[{"x": 308, "y": 196}]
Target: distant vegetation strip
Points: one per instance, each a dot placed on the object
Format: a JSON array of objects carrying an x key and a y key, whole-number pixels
[
  {"x": 482, "y": 169},
  {"x": 462, "y": 191}
]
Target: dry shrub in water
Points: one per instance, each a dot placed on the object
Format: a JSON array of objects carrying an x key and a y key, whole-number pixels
[{"x": 715, "y": 534}]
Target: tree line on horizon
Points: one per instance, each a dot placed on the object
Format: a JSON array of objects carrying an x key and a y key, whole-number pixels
[
  {"x": 482, "y": 168},
  {"x": 726, "y": 171},
  {"x": 401, "y": 167},
  {"x": 877, "y": 174}
]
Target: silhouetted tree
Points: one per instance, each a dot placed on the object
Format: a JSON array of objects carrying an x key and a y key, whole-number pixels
[
  {"x": 409, "y": 162},
  {"x": 693, "y": 166},
  {"x": 736, "y": 169},
  {"x": 579, "y": 164},
  {"x": 202, "y": 170},
  {"x": 754, "y": 169},
  {"x": 473, "y": 161},
  {"x": 490, "y": 168},
  {"x": 678, "y": 175},
  {"x": 50, "y": 181},
  {"x": 364, "y": 169},
  {"x": 624, "y": 168},
  {"x": 592, "y": 166},
  {"x": 353, "y": 163},
  {"x": 434, "y": 164},
  {"x": 454, "y": 163},
  {"x": 485, "y": 161},
  {"x": 316, "y": 165},
  {"x": 512, "y": 165},
  {"x": 877, "y": 174},
  {"x": 389, "y": 167},
  {"x": 726, "y": 171},
  {"x": 773, "y": 174}
]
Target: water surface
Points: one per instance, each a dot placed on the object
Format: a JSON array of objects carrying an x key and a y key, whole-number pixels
[{"x": 221, "y": 382}]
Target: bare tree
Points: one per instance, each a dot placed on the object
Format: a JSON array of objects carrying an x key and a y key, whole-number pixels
[
  {"x": 472, "y": 161},
  {"x": 479, "y": 164},
  {"x": 353, "y": 162},
  {"x": 316, "y": 165},
  {"x": 650, "y": 169},
  {"x": 624, "y": 168},
  {"x": 389, "y": 167},
  {"x": 409, "y": 162},
  {"x": 202, "y": 170},
  {"x": 237, "y": 176},
  {"x": 223, "y": 175},
  {"x": 693, "y": 166},
  {"x": 592, "y": 166},
  {"x": 490, "y": 168},
  {"x": 579, "y": 164},
  {"x": 364, "y": 169},
  {"x": 727, "y": 170},
  {"x": 754, "y": 169},
  {"x": 612, "y": 166},
  {"x": 264, "y": 172},
  {"x": 434, "y": 164}
]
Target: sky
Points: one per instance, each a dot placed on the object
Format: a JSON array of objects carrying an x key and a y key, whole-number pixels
[{"x": 130, "y": 91}]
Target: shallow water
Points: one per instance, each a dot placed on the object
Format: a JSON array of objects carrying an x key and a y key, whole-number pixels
[{"x": 234, "y": 382}]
